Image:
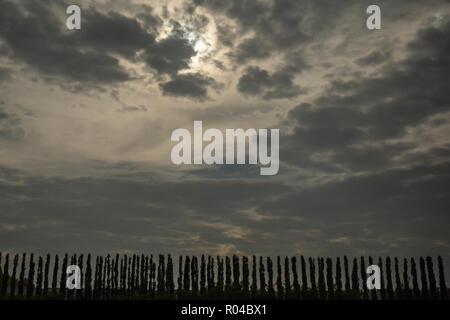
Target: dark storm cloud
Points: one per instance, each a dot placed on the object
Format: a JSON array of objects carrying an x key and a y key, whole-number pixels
[
  {"x": 274, "y": 26},
  {"x": 259, "y": 82},
  {"x": 170, "y": 55},
  {"x": 373, "y": 109},
  {"x": 373, "y": 58},
  {"x": 5, "y": 74},
  {"x": 153, "y": 215},
  {"x": 86, "y": 56},
  {"x": 192, "y": 85},
  {"x": 122, "y": 208},
  {"x": 393, "y": 195},
  {"x": 127, "y": 108},
  {"x": 10, "y": 126},
  {"x": 31, "y": 31},
  {"x": 114, "y": 32}
]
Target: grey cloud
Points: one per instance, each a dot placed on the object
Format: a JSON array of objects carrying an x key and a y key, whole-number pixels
[
  {"x": 114, "y": 32},
  {"x": 258, "y": 82},
  {"x": 127, "y": 36},
  {"x": 275, "y": 26},
  {"x": 170, "y": 55},
  {"x": 373, "y": 109},
  {"x": 127, "y": 108},
  {"x": 86, "y": 56},
  {"x": 252, "y": 215},
  {"x": 373, "y": 58},
  {"x": 10, "y": 126},
  {"x": 5, "y": 74},
  {"x": 40, "y": 43},
  {"x": 192, "y": 85}
]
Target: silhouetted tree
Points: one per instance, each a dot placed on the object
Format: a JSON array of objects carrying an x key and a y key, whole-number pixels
[
  {"x": 88, "y": 278},
  {"x": 245, "y": 275},
  {"x": 133, "y": 273},
  {"x": 123, "y": 274},
  {"x": 254, "y": 287},
  {"x": 152, "y": 277},
  {"x": 203, "y": 275},
  {"x": 62, "y": 285},
  {"x": 129, "y": 278},
  {"x": 142, "y": 283},
  {"x": 227, "y": 273},
  {"x": 194, "y": 275},
  {"x": 108, "y": 275},
  {"x": 280, "y": 292},
  {"x": 312, "y": 276},
  {"x": 398, "y": 283},
  {"x": 236, "y": 273},
  {"x": 13, "y": 276},
  {"x": 373, "y": 292},
  {"x": 1, "y": 276},
  {"x": 146, "y": 276},
  {"x": 161, "y": 275},
  {"x": 431, "y": 279},
  {"x": 270, "y": 289},
  {"x": 212, "y": 275},
  {"x": 22, "y": 276},
  {"x": 101, "y": 278},
  {"x": 330, "y": 285},
  {"x": 423, "y": 278},
  {"x": 208, "y": 274},
  {"x": 262, "y": 277},
  {"x": 383, "y": 288},
  {"x": 363, "y": 278},
  {"x": 55, "y": 276},
  {"x": 347, "y": 275},
  {"x": 95, "y": 286},
  {"x": 187, "y": 274},
  {"x": 5, "y": 277},
  {"x": 46, "y": 271},
  {"x": 170, "y": 285},
  {"x": 321, "y": 280},
  {"x": 355, "y": 281},
  {"x": 116, "y": 275},
  {"x": 30, "y": 278},
  {"x": 338, "y": 278},
  {"x": 295, "y": 283},
  {"x": 287, "y": 278},
  {"x": 96, "y": 276},
  {"x": 39, "y": 277},
  {"x": 406, "y": 289},
  {"x": 304, "y": 276},
  {"x": 442, "y": 284},
  {"x": 180, "y": 276},
  {"x": 415, "y": 282},
  {"x": 72, "y": 293},
  {"x": 220, "y": 276},
  {"x": 390, "y": 287},
  {"x": 137, "y": 283}
]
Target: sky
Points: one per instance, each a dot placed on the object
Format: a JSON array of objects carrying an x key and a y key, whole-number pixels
[{"x": 86, "y": 118}]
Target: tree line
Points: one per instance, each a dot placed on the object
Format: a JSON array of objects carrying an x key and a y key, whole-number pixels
[{"x": 206, "y": 277}]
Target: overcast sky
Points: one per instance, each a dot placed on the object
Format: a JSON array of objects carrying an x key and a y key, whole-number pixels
[{"x": 86, "y": 118}]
